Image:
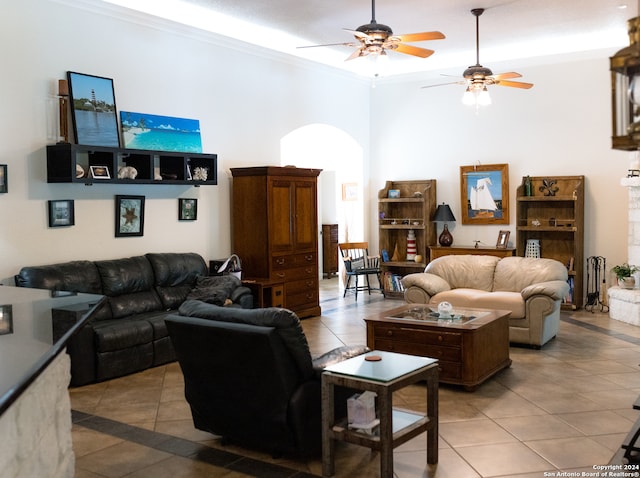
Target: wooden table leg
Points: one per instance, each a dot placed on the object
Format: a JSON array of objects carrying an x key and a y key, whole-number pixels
[
  {"x": 328, "y": 444},
  {"x": 386, "y": 433},
  {"x": 432, "y": 412}
]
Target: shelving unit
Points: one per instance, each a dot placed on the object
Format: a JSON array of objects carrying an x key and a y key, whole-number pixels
[
  {"x": 173, "y": 167},
  {"x": 413, "y": 209},
  {"x": 557, "y": 221}
]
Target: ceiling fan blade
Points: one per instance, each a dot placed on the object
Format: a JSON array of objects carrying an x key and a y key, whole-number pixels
[
  {"x": 357, "y": 33},
  {"x": 515, "y": 84},
  {"x": 444, "y": 84},
  {"x": 506, "y": 76},
  {"x": 357, "y": 53},
  {"x": 413, "y": 50},
  {"x": 330, "y": 44},
  {"x": 423, "y": 36}
]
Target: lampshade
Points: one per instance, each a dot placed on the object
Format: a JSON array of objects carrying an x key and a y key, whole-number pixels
[{"x": 444, "y": 214}]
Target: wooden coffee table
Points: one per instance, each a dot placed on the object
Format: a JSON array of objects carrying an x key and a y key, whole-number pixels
[{"x": 470, "y": 348}]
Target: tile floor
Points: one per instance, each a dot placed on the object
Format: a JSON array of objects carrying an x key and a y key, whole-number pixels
[{"x": 564, "y": 408}]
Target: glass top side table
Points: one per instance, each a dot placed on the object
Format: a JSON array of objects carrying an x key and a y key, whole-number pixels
[{"x": 392, "y": 372}]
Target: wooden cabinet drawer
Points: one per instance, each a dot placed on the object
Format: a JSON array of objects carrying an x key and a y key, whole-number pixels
[
  {"x": 293, "y": 300},
  {"x": 418, "y": 348},
  {"x": 298, "y": 273},
  {"x": 303, "y": 285},
  {"x": 399, "y": 333},
  {"x": 293, "y": 260}
]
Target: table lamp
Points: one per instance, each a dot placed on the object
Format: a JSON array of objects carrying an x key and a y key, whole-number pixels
[{"x": 444, "y": 214}]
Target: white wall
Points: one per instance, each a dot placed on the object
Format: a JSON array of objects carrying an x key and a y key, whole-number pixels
[
  {"x": 562, "y": 126},
  {"x": 245, "y": 101}
]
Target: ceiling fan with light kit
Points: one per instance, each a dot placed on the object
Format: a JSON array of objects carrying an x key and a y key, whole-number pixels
[
  {"x": 478, "y": 77},
  {"x": 375, "y": 39}
]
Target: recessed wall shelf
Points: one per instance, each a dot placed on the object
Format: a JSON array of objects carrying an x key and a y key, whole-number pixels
[{"x": 71, "y": 163}]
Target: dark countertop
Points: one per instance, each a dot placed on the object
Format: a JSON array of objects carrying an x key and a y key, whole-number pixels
[{"x": 26, "y": 335}]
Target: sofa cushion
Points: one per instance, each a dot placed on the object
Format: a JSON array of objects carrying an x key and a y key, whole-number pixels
[
  {"x": 129, "y": 285},
  {"x": 122, "y": 334},
  {"x": 175, "y": 275},
  {"x": 509, "y": 275},
  {"x": 75, "y": 276},
  {"x": 473, "y": 298},
  {"x": 215, "y": 289},
  {"x": 465, "y": 271},
  {"x": 286, "y": 323}
]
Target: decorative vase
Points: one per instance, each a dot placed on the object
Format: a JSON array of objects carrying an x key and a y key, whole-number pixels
[
  {"x": 445, "y": 239},
  {"x": 627, "y": 282}
]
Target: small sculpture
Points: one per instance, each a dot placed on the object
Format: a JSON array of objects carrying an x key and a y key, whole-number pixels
[
  {"x": 127, "y": 172},
  {"x": 200, "y": 174},
  {"x": 549, "y": 187}
]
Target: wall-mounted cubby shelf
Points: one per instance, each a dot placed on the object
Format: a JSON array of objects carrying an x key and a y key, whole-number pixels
[{"x": 71, "y": 163}]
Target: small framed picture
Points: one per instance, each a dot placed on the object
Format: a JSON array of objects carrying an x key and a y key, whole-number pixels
[
  {"x": 129, "y": 216},
  {"x": 100, "y": 172},
  {"x": 503, "y": 239},
  {"x": 61, "y": 213},
  {"x": 187, "y": 209},
  {"x": 394, "y": 193},
  {"x": 4, "y": 187},
  {"x": 6, "y": 319},
  {"x": 350, "y": 191}
]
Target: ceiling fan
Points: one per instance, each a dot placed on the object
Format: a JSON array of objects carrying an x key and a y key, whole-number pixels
[
  {"x": 375, "y": 39},
  {"x": 478, "y": 77}
]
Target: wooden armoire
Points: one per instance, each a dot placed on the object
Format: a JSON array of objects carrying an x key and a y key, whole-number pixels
[{"x": 275, "y": 234}]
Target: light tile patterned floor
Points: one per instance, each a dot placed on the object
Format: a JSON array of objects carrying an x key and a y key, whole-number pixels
[{"x": 566, "y": 408}]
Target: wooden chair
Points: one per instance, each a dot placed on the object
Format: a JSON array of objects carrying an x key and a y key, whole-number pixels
[{"x": 357, "y": 263}]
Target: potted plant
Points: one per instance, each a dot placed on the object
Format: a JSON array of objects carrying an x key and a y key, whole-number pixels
[{"x": 624, "y": 273}]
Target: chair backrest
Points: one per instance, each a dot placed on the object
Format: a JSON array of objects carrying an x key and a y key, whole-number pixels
[
  {"x": 356, "y": 256},
  {"x": 239, "y": 379}
]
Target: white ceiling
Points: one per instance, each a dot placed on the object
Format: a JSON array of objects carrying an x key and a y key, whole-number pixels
[{"x": 509, "y": 29}]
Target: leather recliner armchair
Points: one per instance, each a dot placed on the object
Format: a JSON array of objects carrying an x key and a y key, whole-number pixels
[{"x": 250, "y": 378}]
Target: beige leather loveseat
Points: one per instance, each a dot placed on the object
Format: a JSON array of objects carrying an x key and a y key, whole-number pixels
[{"x": 532, "y": 289}]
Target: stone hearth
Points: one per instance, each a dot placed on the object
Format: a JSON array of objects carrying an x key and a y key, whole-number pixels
[{"x": 624, "y": 304}]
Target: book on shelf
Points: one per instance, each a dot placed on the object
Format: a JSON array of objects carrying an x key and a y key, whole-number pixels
[{"x": 393, "y": 282}]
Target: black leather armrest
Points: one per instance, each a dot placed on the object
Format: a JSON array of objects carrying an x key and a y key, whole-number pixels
[{"x": 339, "y": 354}]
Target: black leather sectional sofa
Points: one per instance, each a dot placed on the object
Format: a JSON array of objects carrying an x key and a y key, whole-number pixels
[{"x": 129, "y": 333}]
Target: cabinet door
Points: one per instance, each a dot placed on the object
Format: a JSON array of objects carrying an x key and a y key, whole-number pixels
[
  {"x": 281, "y": 214},
  {"x": 305, "y": 222}
]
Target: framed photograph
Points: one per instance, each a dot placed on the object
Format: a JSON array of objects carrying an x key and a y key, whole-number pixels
[
  {"x": 393, "y": 193},
  {"x": 166, "y": 133},
  {"x": 4, "y": 180},
  {"x": 61, "y": 213},
  {"x": 484, "y": 194},
  {"x": 187, "y": 209},
  {"x": 129, "y": 216},
  {"x": 100, "y": 172},
  {"x": 6, "y": 319},
  {"x": 93, "y": 110},
  {"x": 350, "y": 192},
  {"x": 503, "y": 239}
]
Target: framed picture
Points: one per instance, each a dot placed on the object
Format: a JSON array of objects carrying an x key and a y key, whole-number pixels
[
  {"x": 4, "y": 180},
  {"x": 6, "y": 319},
  {"x": 166, "y": 133},
  {"x": 100, "y": 172},
  {"x": 187, "y": 209},
  {"x": 503, "y": 239},
  {"x": 61, "y": 213},
  {"x": 93, "y": 110},
  {"x": 129, "y": 216},
  {"x": 484, "y": 194},
  {"x": 393, "y": 193},
  {"x": 350, "y": 192}
]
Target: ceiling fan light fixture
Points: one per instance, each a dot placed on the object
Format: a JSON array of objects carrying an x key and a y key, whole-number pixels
[
  {"x": 468, "y": 98},
  {"x": 483, "y": 97}
]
